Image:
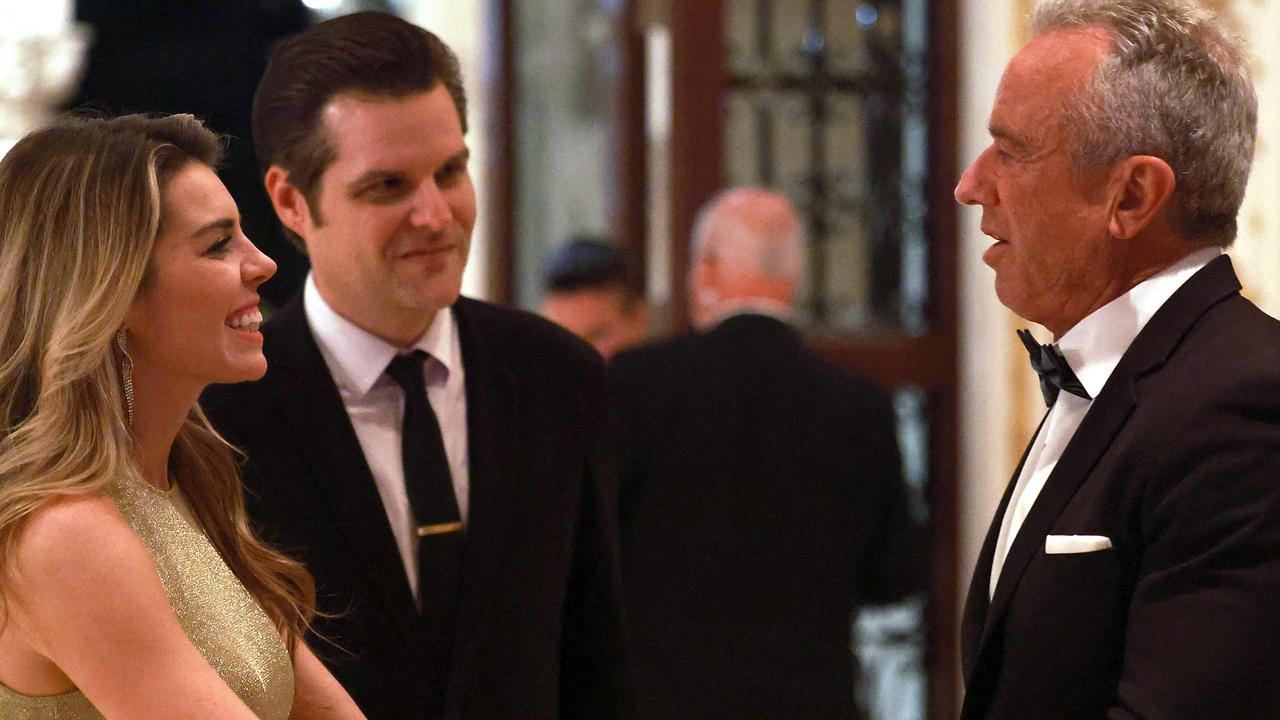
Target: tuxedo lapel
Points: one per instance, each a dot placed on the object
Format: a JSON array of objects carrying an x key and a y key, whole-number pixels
[
  {"x": 1101, "y": 424},
  {"x": 976, "y": 603},
  {"x": 312, "y": 403},
  {"x": 493, "y": 416}
]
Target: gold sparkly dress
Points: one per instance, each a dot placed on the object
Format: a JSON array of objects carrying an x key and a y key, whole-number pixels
[{"x": 219, "y": 616}]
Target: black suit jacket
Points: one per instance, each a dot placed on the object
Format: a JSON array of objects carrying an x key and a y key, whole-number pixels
[
  {"x": 1178, "y": 463},
  {"x": 539, "y": 626},
  {"x": 761, "y": 503}
]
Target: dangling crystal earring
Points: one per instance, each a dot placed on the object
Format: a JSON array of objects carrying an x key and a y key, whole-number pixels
[{"x": 126, "y": 372}]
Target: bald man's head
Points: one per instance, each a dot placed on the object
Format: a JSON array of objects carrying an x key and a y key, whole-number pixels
[{"x": 746, "y": 248}]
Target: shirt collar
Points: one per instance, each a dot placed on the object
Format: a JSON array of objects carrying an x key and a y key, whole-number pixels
[
  {"x": 753, "y": 306},
  {"x": 358, "y": 358},
  {"x": 1095, "y": 345}
]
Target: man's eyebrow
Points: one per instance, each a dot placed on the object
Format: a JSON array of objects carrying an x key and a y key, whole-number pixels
[
  {"x": 1004, "y": 133},
  {"x": 373, "y": 175},
  {"x": 462, "y": 155},
  {"x": 370, "y": 176}
]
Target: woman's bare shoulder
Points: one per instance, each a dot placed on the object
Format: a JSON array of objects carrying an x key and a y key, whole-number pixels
[
  {"x": 73, "y": 543},
  {"x": 72, "y": 530},
  {"x": 87, "y": 597}
]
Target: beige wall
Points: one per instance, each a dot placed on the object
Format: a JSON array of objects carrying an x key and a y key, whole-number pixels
[
  {"x": 993, "y": 391},
  {"x": 462, "y": 24},
  {"x": 1257, "y": 250}
]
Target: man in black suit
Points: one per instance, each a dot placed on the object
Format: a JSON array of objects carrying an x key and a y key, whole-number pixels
[
  {"x": 761, "y": 493},
  {"x": 437, "y": 462},
  {"x": 1133, "y": 567}
]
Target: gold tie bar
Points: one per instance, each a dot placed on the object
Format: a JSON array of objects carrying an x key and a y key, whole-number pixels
[{"x": 439, "y": 528}]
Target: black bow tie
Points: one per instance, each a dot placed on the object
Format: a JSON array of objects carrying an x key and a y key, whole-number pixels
[{"x": 1055, "y": 374}]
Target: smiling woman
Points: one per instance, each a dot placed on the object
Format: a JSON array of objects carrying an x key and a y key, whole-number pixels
[
  {"x": 132, "y": 585},
  {"x": 193, "y": 321}
]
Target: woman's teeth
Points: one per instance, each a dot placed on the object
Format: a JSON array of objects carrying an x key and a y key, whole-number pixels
[{"x": 249, "y": 321}]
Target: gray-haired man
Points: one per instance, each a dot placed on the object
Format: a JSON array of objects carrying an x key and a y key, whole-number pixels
[{"x": 1133, "y": 567}]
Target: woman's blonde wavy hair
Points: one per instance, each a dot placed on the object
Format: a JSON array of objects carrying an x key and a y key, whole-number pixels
[{"x": 80, "y": 210}]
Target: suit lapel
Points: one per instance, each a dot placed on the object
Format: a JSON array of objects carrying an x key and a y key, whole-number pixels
[
  {"x": 312, "y": 403},
  {"x": 976, "y": 603},
  {"x": 1100, "y": 426},
  {"x": 1117, "y": 400},
  {"x": 493, "y": 416}
]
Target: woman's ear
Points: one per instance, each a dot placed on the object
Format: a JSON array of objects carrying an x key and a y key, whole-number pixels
[
  {"x": 1144, "y": 186},
  {"x": 291, "y": 207}
]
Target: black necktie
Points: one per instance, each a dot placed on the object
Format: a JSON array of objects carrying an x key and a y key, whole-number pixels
[
  {"x": 1055, "y": 374},
  {"x": 429, "y": 485}
]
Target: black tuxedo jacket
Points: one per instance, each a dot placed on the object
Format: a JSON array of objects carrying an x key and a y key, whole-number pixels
[
  {"x": 539, "y": 625},
  {"x": 1178, "y": 463},
  {"x": 761, "y": 504}
]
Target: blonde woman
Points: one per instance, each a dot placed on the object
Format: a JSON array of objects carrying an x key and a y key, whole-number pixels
[{"x": 130, "y": 583}]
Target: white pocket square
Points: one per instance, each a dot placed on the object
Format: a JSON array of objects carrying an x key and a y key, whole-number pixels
[{"x": 1067, "y": 544}]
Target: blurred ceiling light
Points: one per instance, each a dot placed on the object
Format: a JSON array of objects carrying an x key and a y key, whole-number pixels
[{"x": 866, "y": 15}]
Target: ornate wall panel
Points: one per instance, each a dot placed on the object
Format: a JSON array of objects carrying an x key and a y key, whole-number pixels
[{"x": 1257, "y": 249}]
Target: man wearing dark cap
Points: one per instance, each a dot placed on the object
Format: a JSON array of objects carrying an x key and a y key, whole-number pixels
[{"x": 589, "y": 291}]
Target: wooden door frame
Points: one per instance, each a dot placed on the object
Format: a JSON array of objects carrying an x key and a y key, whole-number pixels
[
  {"x": 699, "y": 85},
  {"x": 629, "y": 211},
  {"x": 500, "y": 191},
  {"x": 929, "y": 361}
]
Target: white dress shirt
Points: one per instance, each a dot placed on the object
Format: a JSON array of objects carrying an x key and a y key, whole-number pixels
[
  {"x": 1092, "y": 348},
  {"x": 358, "y": 361}
]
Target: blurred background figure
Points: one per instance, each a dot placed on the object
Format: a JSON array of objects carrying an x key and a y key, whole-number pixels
[
  {"x": 590, "y": 292},
  {"x": 761, "y": 496}
]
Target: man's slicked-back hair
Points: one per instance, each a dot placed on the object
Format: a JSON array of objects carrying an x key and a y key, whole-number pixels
[
  {"x": 1176, "y": 86},
  {"x": 368, "y": 53}
]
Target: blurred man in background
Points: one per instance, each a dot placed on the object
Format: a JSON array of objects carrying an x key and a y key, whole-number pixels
[
  {"x": 761, "y": 494},
  {"x": 589, "y": 291}
]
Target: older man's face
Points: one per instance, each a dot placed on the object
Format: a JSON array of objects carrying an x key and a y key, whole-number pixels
[{"x": 1052, "y": 245}]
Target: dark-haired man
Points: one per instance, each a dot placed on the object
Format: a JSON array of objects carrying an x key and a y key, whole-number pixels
[
  {"x": 589, "y": 292},
  {"x": 1133, "y": 567},
  {"x": 436, "y": 461}
]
